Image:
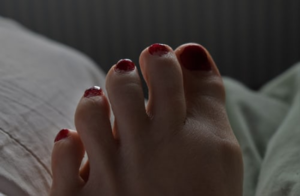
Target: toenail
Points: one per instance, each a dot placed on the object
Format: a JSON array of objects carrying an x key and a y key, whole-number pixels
[
  {"x": 92, "y": 92},
  {"x": 194, "y": 57},
  {"x": 61, "y": 135},
  {"x": 158, "y": 49},
  {"x": 124, "y": 65}
]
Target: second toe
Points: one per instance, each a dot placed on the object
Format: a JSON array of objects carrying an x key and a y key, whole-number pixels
[{"x": 163, "y": 76}]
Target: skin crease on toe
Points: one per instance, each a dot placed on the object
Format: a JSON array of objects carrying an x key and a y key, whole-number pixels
[{"x": 188, "y": 150}]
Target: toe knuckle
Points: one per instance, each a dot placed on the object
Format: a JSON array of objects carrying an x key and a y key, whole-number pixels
[
  {"x": 214, "y": 88},
  {"x": 230, "y": 148},
  {"x": 217, "y": 86}
]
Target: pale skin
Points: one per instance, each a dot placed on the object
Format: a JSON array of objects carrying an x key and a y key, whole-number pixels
[{"x": 180, "y": 143}]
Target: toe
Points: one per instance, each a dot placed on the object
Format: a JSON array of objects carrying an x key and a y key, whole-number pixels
[
  {"x": 126, "y": 97},
  {"x": 67, "y": 155},
  {"x": 203, "y": 84},
  {"x": 93, "y": 125},
  {"x": 85, "y": 171},
  {"x": 163, "y": 76}
]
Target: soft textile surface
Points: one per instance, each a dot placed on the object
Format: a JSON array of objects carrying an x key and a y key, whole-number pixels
[
  {"x": 267, "y": 125},
  {"x": 41, "y": 83}
]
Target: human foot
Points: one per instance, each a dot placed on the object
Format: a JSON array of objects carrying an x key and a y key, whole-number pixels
[{"x": 180, "y": 144}]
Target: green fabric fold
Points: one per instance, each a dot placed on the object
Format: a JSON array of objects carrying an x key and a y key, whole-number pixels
[{"x": 267, "y": 126}]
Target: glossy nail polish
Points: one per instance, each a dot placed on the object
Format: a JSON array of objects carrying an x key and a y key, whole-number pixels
[
  {"x": 194, "y": 57},
  {"x": 92, "y": 92},
  {"x": 124, "y": 65},
  {"x": 158, "y": 49},
  {"x": 61, "y": 135}
]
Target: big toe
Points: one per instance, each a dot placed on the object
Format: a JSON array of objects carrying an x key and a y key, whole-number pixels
[{"x": 203, "y": 85}]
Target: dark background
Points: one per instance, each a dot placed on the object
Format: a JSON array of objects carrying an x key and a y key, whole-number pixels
[{"x": 251, "y": 40}]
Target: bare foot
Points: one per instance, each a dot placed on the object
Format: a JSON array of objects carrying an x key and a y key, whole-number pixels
[{"x": 180, "y": 144}]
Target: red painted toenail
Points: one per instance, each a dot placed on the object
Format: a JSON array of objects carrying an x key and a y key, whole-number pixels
[
  {"x": 61, "y": 135},
  {"x": 158, "y": 49},
  {"x": 92, "y": 92},
  {"x": 124, "y": 65},
  {"x": 194, "y": 57}
]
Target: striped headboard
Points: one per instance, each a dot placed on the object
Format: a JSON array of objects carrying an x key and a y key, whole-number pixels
[{"x": 251, "y": 40}]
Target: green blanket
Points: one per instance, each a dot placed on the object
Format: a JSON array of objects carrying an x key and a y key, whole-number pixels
[{"x": 267, "y": 126}]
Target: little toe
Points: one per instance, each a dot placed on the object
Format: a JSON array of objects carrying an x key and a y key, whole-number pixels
[
  {"x": 163, "y": 76},
  {"x": 203, "y": 85},
  {"x": 93, "y": 125},
  {"x": 126, "y": 97},
  {"x": 66, "y": 159}
]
